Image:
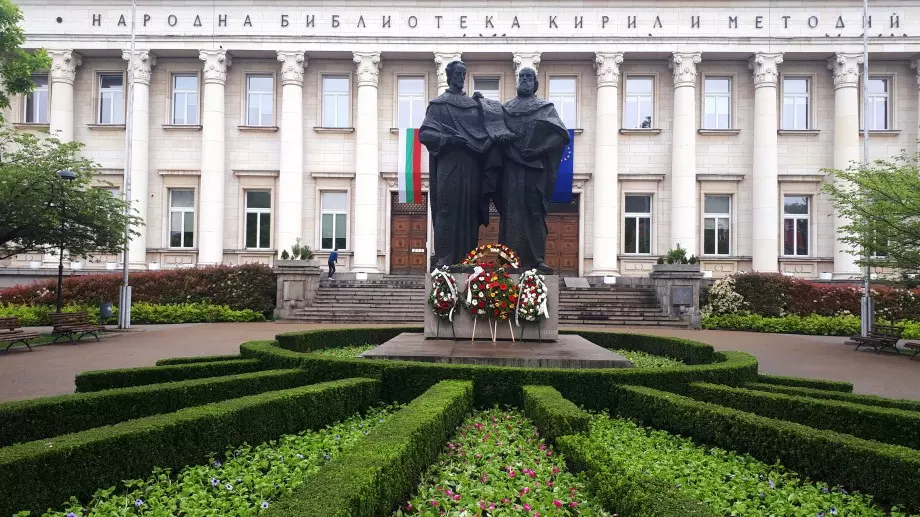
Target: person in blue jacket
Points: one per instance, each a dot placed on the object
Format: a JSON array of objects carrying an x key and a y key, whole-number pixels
[{"x": 333, "y": 258}]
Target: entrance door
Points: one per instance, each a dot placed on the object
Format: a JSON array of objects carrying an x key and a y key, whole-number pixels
[{"x": 408, "y": 235}]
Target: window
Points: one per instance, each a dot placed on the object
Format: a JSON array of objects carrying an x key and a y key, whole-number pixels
[
  {"x": 36, "y": 105},
  {"x": 336, "y": 105},
  {"x": 639, "y": 102},
  {"x": 638, "y": 227},
  {"x": 717, "y": 103},
  {"x": 185, "y": 99},
  {"x": 260, "y": 100},
  {"x": 410, "y": 102},
  {"x": 717, "y": 223},
  {"x": 111, "y": 99},
  {"x": 796, "y": 99},
  {"x": 562, "y": 95},
  {"x": 795, "y": 225},
  {"x": 878, "y": 109},
  {"x": 181, "y": 218},
  {"x": 334, "y": 220},
  {"x": 258, "y": 219},
  {"x": 489, "y": 87}
]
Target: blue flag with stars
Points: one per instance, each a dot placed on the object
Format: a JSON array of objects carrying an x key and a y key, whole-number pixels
[{"x": 563, "y": 191}]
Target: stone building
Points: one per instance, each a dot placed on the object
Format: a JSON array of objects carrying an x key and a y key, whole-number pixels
[{"x": 704, "y": 124}]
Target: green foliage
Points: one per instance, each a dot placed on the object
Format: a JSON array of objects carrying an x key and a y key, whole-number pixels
[
  {"x": 96, "y": 380},
  {"x": 552, "y": 414},
  {"x": 298, "y": 252},
  {"x": 896, "y": 426},
  {"x": 141, "y": 313},
  {"x": 813, "y": 325},
  {"x": 346, "y": 351},
  {"x": 370, "y": 480},
  {"x": 888, "y": 472},
  {"x": 867, "y": 400},
  {"x": 16, "y": 65},
  {"x": 801, "y": 382},
  {"x": 645, "y": 360},
  {"x": 199, "y": 359},
  {"x": 36, "y": 475},
  {"x": 34, "y": 419},
  {"x": 311, "y": 340},
  {"x": 677, "y": 255},
  {"x": 682, "y": 350},
  {"x": 722, "y": 298}
]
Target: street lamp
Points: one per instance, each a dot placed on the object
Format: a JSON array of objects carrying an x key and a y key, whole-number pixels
[{"x": 64, "y": 175}]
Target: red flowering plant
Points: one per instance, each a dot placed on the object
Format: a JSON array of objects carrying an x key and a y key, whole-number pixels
[
  {"x": 477, "y": 300},
  {"x": 503, "y": 295},
  {"x": 505, "y": 254},
  {"x": 444, "y": 294}
]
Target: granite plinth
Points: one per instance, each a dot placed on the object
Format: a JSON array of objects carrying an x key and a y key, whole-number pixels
[
  {"x": 463, "y": 321},
  {"x": 568, "y": 351}
]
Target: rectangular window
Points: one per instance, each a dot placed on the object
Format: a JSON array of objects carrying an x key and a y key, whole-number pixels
[
  {"x": 796, "y": 100},
  {"x": 336, "y": 101},
  {"x": 111, "y": 99},
  {"x": 879, "y": 106},
  {"x": 185, "y": 99},
  {"x": 638, "y": 224},
  {"x": 717, "y": 223},
  {"x": 410, "y": 102},
  {"x": 260, "y": 100},
  {"x": 258, "y": 219},
  {"x": 717, "y": 103},
  {"x": 488, "y": 86},
  {"x": 181, "y": 218},
  {"x": 36, "y": 105},
  {"x": 639, "y": 102},
  {"x": 795, "y": 225},
  {"x": 562, "y": 93},
  {"x": 334, "y": 231}
]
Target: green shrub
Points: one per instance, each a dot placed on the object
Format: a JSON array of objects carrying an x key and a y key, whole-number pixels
[
  {"x": 801, "y": 382},
  {"x": 553, "y": 415},
  {"x": 888, "y": 425},
  {"x": 141, "y": 313},
  {"x": 200, "y": 359},
  {"x": 43, "y": 473},
  {"x": 868, "y": 400},
  {"x": 308, "y": 341},
  {"x": 96, "y": 380},
  {"x": 27, "y": 420},
  {"x": 371, "y": 480},
  {"x": 813, "y": 325},
  {"x": 683, "y": 350},
  {"x": 888, "y": 472}
]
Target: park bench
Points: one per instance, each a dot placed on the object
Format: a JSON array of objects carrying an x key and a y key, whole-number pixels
[
  {"x": 70, "y": 324},
  {"x": 880, "y": 338},
  {"x": 12, "y": 332},
  {"x": 913, "y": 346}
]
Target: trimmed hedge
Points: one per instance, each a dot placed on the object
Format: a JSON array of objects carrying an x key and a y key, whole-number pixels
[
  {"x": 97, "y": 380},
  {"x": 553, "y": 415},
  {"x": 801, "y": 382},
  {"x": 312, "y": 340},
  {"x": 370, "y": 480},
  {"x": 888, "y": 425},
  {"x": 141, "y": 313},
  {"x": 43, "y": 473},
  {"x": 888, "y": 472},
  {"x": 683, "y": 350},
  {"x": 619, "y": 489},
  {"x": 200, "y": 359},
  {"x": 867, "y": 400},
  {"x": 27, "y": 420}
]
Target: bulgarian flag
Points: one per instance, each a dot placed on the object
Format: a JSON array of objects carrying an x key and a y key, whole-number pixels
[{"x": 410, "y": 166}]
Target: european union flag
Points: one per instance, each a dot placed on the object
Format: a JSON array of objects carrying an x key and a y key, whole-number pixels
[{"x": 563, "y": 191}]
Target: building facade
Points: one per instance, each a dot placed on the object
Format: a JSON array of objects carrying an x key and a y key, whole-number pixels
[{"x": 705, "y": 125}]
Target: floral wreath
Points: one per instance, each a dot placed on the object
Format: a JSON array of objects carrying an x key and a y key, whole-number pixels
[
  {"x": 531, "y": 305},
  {"x": 506, "y": 253},
  {"x": 478, "y": 301},
  {"x": 443, "y": 297},
  {"x": 503, "y": 295}
]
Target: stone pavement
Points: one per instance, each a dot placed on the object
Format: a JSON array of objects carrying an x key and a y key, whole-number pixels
[{"x": 50, "y": 369}]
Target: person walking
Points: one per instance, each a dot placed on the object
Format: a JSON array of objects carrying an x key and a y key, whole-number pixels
[{"x": 333, "y": 258}]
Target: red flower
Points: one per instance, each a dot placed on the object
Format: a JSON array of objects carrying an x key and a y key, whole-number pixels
[{"x": 504, "y": 287}]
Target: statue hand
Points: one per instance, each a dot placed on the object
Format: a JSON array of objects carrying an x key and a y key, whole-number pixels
[{"x": 477, "y": 95}]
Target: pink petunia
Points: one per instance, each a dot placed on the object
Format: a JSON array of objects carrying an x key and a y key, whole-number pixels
[{"x": 557, "y": 503}]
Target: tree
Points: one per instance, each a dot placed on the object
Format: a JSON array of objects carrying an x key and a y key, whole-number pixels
[
  {"x": 16, "y": 64},
  {"x": 32, "y": 193},
  {"x": 882, "y": 205}
]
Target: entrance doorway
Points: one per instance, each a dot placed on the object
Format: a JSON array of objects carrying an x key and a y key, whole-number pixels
[{"x": 408, "y": 235}]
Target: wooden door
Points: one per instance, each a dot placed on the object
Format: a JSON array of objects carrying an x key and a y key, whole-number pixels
[{"x": 408, "y": 236}]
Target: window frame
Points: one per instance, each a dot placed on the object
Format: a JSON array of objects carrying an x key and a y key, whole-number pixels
[
  {"x": 731, "y": 101},
  {"x": 716, "y": 216},
  {"x": 270, "y": 211},
  {"x": 322, "y": 100},
  {"x": 425, "y": 95},
  {"x": 98, "y": 97},
  {"x": 637, "y": 215},
  {"x": 501, "y": 83},
  {"x": 559, "y": 109},
  {"x": 796, "y": 217},
  {"x": 274, "y": 92},
  {"x": 653, "y": 95},
  {"x": 183, "y": 210},
  {"x": 810, "y": 111},
  {"x": 322, "y": 211},
  {"x": 889, "y": 101},
  {"x": 170, "y": 115},
  {"x": 25, "y": 101}
]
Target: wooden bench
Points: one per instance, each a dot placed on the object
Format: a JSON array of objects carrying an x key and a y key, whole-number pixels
[
  {"x": 913, "y": 346},
  {"x": 70, "y": 324},
  {"x": 881, "y": 337},
  {"x": 12, "y": 332}
]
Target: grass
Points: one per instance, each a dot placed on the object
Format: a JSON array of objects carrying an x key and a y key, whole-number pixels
[
  {"x": 645, "y": 360},
  {"x": 345, "y": 351}
]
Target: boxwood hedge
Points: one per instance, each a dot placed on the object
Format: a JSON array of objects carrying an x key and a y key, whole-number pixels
[
  {"x": 867, "y": 400},
  {"x": 97, "y": 380},
  {"x": 800, "y": 382},
  {"x": 200, "y": 359},
  {"x": 553, "y": 415}
]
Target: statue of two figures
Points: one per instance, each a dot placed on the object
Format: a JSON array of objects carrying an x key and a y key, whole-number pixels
[{"x": 482, "y": 151}]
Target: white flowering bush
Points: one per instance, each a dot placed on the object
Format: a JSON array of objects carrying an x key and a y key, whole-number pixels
[{"x": 724, "y": 299}]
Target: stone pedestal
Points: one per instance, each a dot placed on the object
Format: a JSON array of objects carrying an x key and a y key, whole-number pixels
[
  {"x": 678, "y": 290},
  {"x": 463, "y": 320},
  {"x": 298, "y": 281}
]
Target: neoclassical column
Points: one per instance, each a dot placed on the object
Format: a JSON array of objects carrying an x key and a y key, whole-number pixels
[
  {"x": 683, "y": 152},
  {"x": 139, "y": 72},
  {"x": 766, "y": 186},
  {"x": 213, "y": 149},
  {"x": 916, "y": 65},
  {"x": 606, "y": 191},
  {"x": 290, "y": 176},
  {"x": 367, "y": 167},
  {"x": 525, "y": 60},
  {"x": 845, "y": 67},
  {"x": 441, "y": 60},
  {"x": 64, "y": 65}
]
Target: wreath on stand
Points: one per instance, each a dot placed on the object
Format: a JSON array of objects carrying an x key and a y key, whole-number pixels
[
  {"x": 503, "y": 295},
  {"x": 478, "y": 301},
  {"x": 444, "y": 296},
  {"x": 531, "y": 306},
  {"x": 504, "y": 253}
]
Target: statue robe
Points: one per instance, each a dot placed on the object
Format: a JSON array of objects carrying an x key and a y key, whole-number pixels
[{"x": 526, "y": 185}]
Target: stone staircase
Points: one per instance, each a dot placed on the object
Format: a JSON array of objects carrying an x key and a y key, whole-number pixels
[{"x": 631, "y": 306}]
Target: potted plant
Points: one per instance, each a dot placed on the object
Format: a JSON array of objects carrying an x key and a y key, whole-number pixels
[
  {"x": 676, "y": 260},
  {"x": 300, "y": 255}
]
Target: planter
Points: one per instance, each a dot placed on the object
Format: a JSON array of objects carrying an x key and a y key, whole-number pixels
[
  {"x": 707, "y": 273},
  {"x": 35, "y": 264},
  {"x": 826, "y": 276},
  {"x": 297, "y": 263},
  {"x": 676, "y": 268},
  {"x": 76, "y": 266},
  {"x": 111, "y": 266},
  {"x": 153, "y": 266}
]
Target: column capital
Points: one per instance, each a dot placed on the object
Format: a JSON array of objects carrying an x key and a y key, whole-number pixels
[
  {"x": 915, "y": 64},
  {"x": 683, "y": 66},
  {"x": 525, "y": 60},
  {"x": 441, "y": 60},
  {"x": 216, "y": 63},
  {"x": 845, "y": 67},
  {"x": 765, "y": 66},
  {"x": 368, "y": 68},
  {"x": 142, "y": 65},
  {"x": 607, "y": 66},
  {"x": 292, "y": 66},
  {"x": 64, "y": 65}
]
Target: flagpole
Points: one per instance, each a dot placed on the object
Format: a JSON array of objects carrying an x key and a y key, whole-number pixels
[
  {"x": 124, "y": 302},
  {"x": 866, "y": 312}
]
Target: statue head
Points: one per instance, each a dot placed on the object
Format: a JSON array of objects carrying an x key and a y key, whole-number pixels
[
  {"x": 456, "y": 75},
  {"x": 527, "y": 82}
]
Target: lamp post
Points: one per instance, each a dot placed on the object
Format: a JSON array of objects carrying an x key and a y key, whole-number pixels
[
  {"x": 64, "y": 175},
  {"x": 866, "y": 308}
]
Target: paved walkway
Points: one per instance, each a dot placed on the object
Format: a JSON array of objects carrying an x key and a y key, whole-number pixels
[{"x": 50, "y": 369}]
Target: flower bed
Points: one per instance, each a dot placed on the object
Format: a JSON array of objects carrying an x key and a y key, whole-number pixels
[{"x": 814, "y": 324}]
